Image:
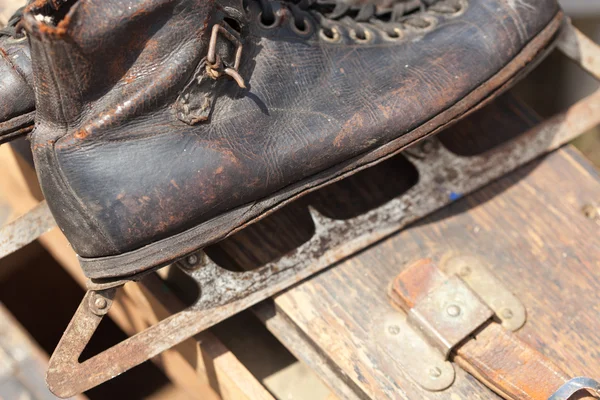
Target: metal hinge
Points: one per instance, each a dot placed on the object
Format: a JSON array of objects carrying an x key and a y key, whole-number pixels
[{"x": 446, "y": 316}]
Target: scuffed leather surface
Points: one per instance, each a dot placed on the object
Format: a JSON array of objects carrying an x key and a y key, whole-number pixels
[
  {"x": 119, "y": 169},
  {"x": 16, "y": 95}
]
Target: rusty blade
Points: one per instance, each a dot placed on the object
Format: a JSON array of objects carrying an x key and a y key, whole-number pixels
[{"x": 26, "y": 229}]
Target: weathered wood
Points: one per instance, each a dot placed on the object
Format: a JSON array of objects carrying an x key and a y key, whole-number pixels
[
  {"x": 529, "y": 225},
  {"x": 306, "y": 352},
  {"x": 22, "y": 363},
  {"x": 212, "y": 362}
]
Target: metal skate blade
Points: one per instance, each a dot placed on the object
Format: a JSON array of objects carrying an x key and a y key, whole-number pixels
[{"x": 26, "y": 229}]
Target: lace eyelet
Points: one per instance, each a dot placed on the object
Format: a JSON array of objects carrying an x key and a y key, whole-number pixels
[
  {"x": 429, "y": 19},
  {"x": 276, "y": 22},
  {"x": 335, "y": 35},
  {"x": 398, "y": 34},
  {"x": 365, "y": 38},
  {"x": 462, "y": 7},
  {"x": 302, "y": 32}
]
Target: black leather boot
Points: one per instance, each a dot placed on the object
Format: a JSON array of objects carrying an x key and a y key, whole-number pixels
[
  {"x": 166, "y": 125},
  {"x": 17, "y": 100}
]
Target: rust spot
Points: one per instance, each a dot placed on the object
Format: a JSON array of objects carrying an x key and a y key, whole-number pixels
[
  {"x": 130, "y": 79},
  {"x": 81, "y": 134},
  {"x": 56, "y": 31},
  {"x": 357, "y": 121}
]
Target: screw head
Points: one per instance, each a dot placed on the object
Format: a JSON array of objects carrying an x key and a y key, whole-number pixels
[
  {"x": 435, "y": 372},
  {"x": 427, "y": 146},
  {"x": 192, "y": 260},
  {"x": 507, "y": 313},
  {"x": 394, "y": 329},
  {"x": 100, "y": 303},
  {"x": 590, "y": 211},
  {"x": 453, "y": 310}
]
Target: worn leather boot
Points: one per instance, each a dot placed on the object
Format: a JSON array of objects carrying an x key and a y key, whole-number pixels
[
  {"x": 17, "y": 104},
  {"x": 17, "y": 100},
  {"x": 166, "y": 125}
]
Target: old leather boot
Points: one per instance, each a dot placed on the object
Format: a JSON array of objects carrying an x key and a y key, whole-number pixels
[
  {"x": 17, "y": 104},
  {"x": 17, "y": 101},
  {"x": 166, "y": 125}
]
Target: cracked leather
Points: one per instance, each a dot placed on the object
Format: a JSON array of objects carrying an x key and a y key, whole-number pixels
[
  {"x": 120, "y": 170},
  {"x": 17, "y": 99}
]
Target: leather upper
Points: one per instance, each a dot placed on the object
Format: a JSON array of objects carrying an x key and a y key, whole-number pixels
[
  {"x": 17, "y": 99},
  {"x": 120, "y": 169}
]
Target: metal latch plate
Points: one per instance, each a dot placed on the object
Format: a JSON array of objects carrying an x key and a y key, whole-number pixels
[
  {"x": 507, "y": 307},
  {"x": 424, "y": 364},
  {"x": 448, "y": 314}
]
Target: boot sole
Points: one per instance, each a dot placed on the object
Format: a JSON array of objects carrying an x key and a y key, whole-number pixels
[{"x": 171, "y": 249}]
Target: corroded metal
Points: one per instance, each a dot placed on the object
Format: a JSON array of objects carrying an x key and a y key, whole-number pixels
[
  {"x": 473, "y": 271},
  {"x": 443, "y": 177},
  {"x": 25, "y": 229},
  {"x": 424, "y": 364},
  {"x": 575, "y": 385},
  {"x": 449, "y": 314}
]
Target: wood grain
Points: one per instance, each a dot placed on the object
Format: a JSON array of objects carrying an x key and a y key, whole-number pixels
[
  {"x": 22, "y": 363},
  {"x": 529, "y": 225}
]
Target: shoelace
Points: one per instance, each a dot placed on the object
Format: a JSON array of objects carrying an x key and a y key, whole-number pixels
[
  {"x": 388, "y": 17},
  {"x": 11, "y": 28}
]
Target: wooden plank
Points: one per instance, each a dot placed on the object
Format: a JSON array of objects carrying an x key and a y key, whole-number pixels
[
  {"x": 212, "y": 362},
  {"x": 203, "y": 367},
  {"x": 529, "y": 225},
  {"x": 22, "y": 363},
  {"x": 306, "y": 352}
]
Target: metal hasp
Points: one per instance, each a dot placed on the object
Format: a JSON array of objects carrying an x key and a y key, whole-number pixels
[
  {"x": 449, "y": 314},
  {"x": 454, "y": 319},
  {"x": 424, "y": 364},
  {"x": 224, "y": 293},
  {"x": 444, "y": 317},
  {"x": 503, "y": 303}
]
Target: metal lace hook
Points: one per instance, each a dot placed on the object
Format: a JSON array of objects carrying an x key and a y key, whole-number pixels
[
  {"x": 236, "y": 76},
  {"x": 213, "y": 61}
]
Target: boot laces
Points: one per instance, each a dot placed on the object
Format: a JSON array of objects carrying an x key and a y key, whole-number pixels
[{"x": 387, "y": 16}]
